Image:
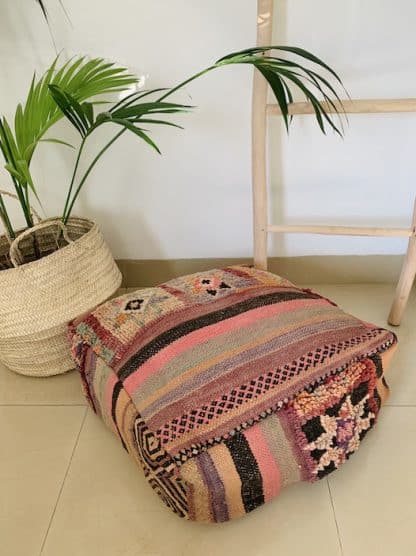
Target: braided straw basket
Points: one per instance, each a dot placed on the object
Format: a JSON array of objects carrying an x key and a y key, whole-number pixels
[{"x": 39, "y": 296}]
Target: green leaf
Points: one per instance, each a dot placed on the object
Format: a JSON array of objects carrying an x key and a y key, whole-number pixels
[
  {"x": 14, "y": 171},
  {"x": 88, "y": 110},
  {"x": 131, "y": 127},
  {"x": 320, "y": 112},
  {"x": 9, "y": 142},
  {"x": 103, "y": 117},
  {"x": 161, "y": 122},
  {"x": 71, "y": 108},
  {"x": 311, "y": 73},
  {"x": 133, "y": 97},
  {"x": 24, "y": 169},
  {"x": 274, "y": 69},
  {"x": 289, "y": 97},
  {"x": 79, "y": 77},
  {"x": 309, "y": 56},
  {"x": 18, "y": 124},
  {"x": 43, "y": 8},
  {"x": 157, "y": 107},
  {"x": 249, "y": 52},
  {"x": 58, "y": 141},
  {"x": 279, "y": 92}
]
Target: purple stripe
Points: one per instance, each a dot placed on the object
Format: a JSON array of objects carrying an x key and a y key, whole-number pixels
[
  {"x": 215, "y": 487},
  {"x": 225, "y": 366}
]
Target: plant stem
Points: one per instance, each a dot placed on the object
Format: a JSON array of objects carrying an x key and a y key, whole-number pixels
[
  {"x": 199, "y": 74},
  {"x": 6, "y": 220},
  {"x": 68, "y": 197},
  {"x": 87, "y": 173},
  {"x": 29, "y": 210},
  {"x": 19, "y": 191},
  {"x": 23, "y": 202},
  {"x": 27, "y": 202},
  {"x": 7, "y": 152}
]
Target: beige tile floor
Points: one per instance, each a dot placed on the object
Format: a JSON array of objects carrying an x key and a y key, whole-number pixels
[{"x": 68, "y": 489}]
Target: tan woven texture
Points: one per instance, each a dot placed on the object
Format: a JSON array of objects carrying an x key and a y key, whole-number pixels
[{"x": 39, "y": 297}]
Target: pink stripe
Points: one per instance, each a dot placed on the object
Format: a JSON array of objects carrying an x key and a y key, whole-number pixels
[
  {"x": 269, "y": 470},
  {"x": 153, "y": 364}
]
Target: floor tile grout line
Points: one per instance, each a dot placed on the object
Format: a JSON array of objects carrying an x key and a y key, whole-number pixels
[
  {"x": 399, "y": 406},
  {"x": 335, "y": 518},
  {"x": 63, "y": 482},
  {"x": 43, "y": 405}
]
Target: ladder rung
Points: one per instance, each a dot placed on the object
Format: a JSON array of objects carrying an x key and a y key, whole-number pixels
[
  {"x": 340, "y": 230},
  {"x": 357, "y": 106}
]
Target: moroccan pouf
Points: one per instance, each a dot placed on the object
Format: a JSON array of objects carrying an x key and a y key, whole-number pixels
[{"x": 227, "y": 385}]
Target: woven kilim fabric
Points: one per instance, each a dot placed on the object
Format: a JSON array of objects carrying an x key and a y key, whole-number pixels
[{"x": 228, "y": 385}]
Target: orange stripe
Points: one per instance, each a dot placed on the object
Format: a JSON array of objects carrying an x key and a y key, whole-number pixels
[{"x": 198, "y": 497}]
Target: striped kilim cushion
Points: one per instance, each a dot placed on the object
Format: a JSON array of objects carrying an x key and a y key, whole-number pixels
[{"x": 227, "y": 385}]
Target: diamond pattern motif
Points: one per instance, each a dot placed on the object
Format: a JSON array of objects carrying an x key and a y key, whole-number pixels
[
  {"x": 235, "y": 398},
  {"x": 134, "y": 305}
]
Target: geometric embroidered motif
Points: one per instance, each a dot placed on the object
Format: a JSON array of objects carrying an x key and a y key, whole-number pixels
[
  {"x": 159, "y": 469},
  {"x": 134, "y": 305},
  {"x": 337, "y": 434},
  {"x": 126, "y": 314},
  {"x": 330, "y": 432},
  {"x": 208, "y": 285}
]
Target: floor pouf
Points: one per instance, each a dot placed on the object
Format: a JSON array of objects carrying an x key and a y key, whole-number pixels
[{"x": 227, "y": 385}]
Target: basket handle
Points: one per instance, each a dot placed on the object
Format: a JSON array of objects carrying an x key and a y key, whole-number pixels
[{"x": 16, "y": 255}]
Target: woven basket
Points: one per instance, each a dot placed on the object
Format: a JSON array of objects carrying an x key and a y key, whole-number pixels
[{"x": 39, "y": 296}]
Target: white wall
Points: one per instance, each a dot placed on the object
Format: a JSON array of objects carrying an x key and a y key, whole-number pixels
[{"x": 195, "y": 201}]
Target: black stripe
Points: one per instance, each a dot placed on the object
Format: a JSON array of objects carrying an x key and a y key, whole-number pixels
[
  {"x": 116, "y": 392},
  {"x": 189, "y": 326},
  {"x": 177, "y": 505},
  {"x": 168, "y": 485},
  {"x": 246, "y": 465},
  {"x": 376, "y": 359}
]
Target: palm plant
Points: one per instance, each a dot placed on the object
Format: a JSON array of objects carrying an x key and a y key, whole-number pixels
[
  {"x": 82, "y": 79},
  {"x": 65, "y": 92},
  {"x": 129, "y": 114},
  {"x": 133, "y": 111}
]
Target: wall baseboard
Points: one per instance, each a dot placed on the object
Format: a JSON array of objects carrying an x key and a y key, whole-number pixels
[{"x": 348, "y": 269}]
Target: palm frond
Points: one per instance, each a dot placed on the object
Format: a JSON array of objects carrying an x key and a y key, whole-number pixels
[
  {"x": 72, "y": 109},
  {"x": 43, "y": 8},
  {"x": 129, "y": 112},
  {"x": 133, "y": 111},
  {"x": 80, "y": 78},
  {"x": 281, "y": 74}
]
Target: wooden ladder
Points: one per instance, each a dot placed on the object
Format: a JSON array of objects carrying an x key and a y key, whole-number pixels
[{"x": 261, "y": 111}]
